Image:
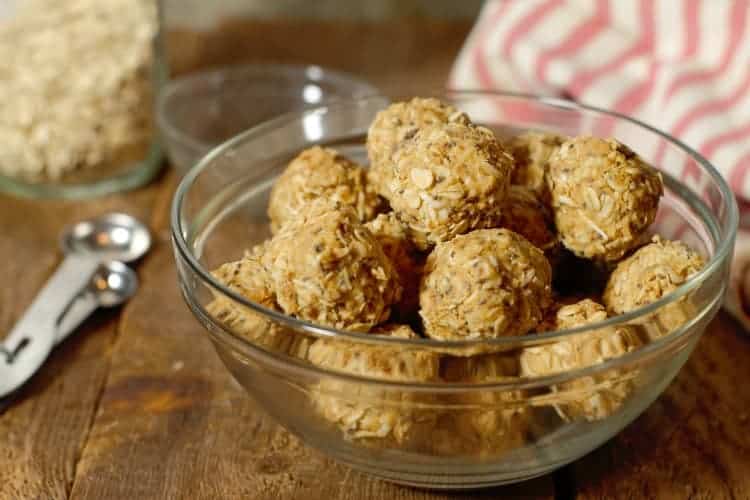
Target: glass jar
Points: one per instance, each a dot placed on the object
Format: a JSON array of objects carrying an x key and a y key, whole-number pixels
[{"x": 78, "y": 79}]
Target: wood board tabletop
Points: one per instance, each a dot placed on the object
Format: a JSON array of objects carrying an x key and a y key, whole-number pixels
[{"x": 137, "y": 405}]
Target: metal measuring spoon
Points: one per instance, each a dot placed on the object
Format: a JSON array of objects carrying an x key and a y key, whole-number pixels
[
  {"x": 86, "y": 245},
  {"x": 112, "y": 284}
]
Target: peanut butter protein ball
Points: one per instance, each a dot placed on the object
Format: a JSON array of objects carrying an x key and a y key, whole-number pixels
[
  {"x": 592, "y": 398},
  {"x": 370, "y": 414},
  {"x": 604, "y": 197},
  {"x": 500, "y": 420},
  {"x": 321, "y": 173},
  {"x": 486, "y": 284},
  {"x": 397, "y": 123},
  {"x": 249, "y": 278},
  {"x": 449, "y": 180},
  {"x": 650, "y": 273},
  {"x": 326, "y": 267},
  {"x": 531, "y": 151}
]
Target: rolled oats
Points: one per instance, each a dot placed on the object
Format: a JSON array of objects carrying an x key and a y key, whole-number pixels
[
  {"x": 592, "y": 398},
  {"x": 395, "y": 330},
  {"x": 603, "y": 195},
  {"x": 373, "y": 415},
  {"x": 486, "y": 284},
  {"x": 75, "y": 84},
  {"x": 328, "y": 268},
  {"x": 321, "y": 173},
  {"x": 650, "y": 273},
  {"x": 248, "y": 278},
  {"x": 394, "y": 125},
  {"x": 449, "y": 180}
]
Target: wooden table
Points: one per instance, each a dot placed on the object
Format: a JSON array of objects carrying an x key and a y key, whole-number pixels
[{"x": 136, "y": 404}]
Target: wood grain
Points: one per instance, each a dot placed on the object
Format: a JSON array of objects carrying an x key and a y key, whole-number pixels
[
  {"x": 44, "y": 431},
  {"x": 693, "y": 441}
]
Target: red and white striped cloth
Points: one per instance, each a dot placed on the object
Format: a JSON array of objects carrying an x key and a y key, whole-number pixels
[{"x": 682, "y": 66}]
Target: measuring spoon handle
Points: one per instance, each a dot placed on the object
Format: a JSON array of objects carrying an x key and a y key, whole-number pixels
[
  {"x": 79, "y": 309},
  {"x": 34, "y": 335}
]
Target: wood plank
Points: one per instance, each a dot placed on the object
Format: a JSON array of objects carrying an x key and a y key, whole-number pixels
[
  {"x": 693, "y": 441},
  {"x": 172, "y": 423},
  {"x": 44, "y": 430}
]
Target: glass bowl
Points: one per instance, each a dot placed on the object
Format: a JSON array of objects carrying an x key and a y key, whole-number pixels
[
  {"x": 456, "y": 434},
  {"x": 199, "y": 111}
]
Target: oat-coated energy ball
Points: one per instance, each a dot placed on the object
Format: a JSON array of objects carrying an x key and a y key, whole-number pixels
[
  {"x": 326, "y": 267},
  {"x": 531, "y": 151},
  {"x": 502, "y": 425},
  {"x": 486, "y": 284},
  {"x": 321, "y": 173},
  {"x": 395, "y": 330},
  {"x": 592, "y": 398},
  {"x": 449, "y": 180},
  {"x": 409, "y": 265},
  {"x": 604, "y": 196},
  {"x": 396, "y": 124},
  {"x": 249, "y": 278},
  {"x": 585, "y": 301},
  {"x": 370, "y": 414},
  {"x": 526, "y": 215},
  {"x": 650, "y": 273},
  {"x": 583, "y": 312}
]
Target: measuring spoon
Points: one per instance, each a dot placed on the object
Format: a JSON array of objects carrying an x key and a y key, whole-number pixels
[
  {"x": 112, "y": 284},
  {"x": 86, "y": 244}
]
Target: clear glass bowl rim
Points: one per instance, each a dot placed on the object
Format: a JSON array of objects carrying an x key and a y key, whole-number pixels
[{"x": 723, "y": 252}]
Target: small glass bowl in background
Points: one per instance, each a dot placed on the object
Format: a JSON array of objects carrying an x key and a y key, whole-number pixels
[
  {"x": 201, "y": 110},
  {"x": 219, "y": 210}
]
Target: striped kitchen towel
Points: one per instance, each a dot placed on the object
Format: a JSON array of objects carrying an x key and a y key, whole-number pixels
[{"x": 682, "y": 66}]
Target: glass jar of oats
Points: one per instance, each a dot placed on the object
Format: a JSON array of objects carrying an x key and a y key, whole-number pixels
[{"x": 77, "y": 80}]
